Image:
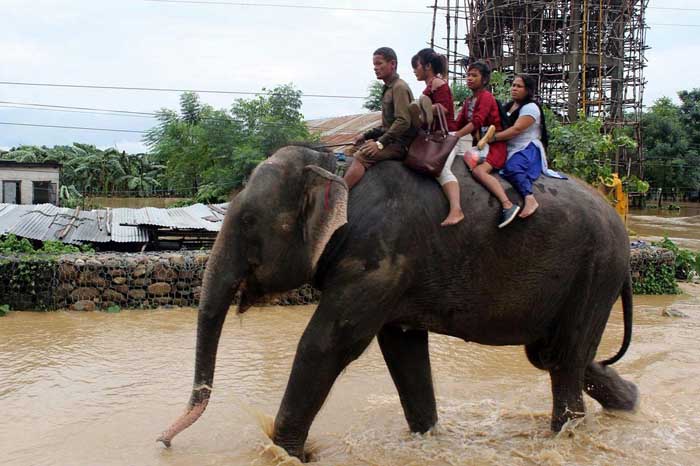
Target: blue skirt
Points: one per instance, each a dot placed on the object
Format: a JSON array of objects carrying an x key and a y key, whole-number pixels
[{"x": 523, "y": 168}]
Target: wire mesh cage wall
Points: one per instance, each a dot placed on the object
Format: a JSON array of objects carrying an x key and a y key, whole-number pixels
[{"x": 587, "y": 55}]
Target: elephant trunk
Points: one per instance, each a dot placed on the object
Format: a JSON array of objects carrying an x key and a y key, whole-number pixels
[{"x": 222, "y": 279}]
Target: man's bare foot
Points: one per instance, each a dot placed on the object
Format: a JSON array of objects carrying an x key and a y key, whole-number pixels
[
  {"x": 453, "y": 218},
  {"x": 530, "y": 207}
]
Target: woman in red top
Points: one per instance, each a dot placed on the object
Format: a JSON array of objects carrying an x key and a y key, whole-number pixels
[
  {"x": 430, "y": 67},
  {"x": 481, "y": 111}
]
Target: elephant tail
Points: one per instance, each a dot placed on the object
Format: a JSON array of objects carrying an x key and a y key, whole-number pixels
[{"x": 626, "y": 295}]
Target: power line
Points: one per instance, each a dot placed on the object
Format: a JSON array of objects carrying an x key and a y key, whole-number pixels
[
  {"x": 73, "y": 127},
  {"x": 70, "y": 107},
  {"x": 300, "y": 7},
  {"x": 66, "y": 110},
  {"x": 163, "y": 89},
  {"x": 131, "y": 113},
  {"x": 372, "y": 10},
  {"x": 35, "y": 125},
  {"x": 363, "y": 10}
]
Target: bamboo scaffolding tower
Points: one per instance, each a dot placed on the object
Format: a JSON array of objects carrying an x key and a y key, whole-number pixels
[{"x": 588, "y": 56}]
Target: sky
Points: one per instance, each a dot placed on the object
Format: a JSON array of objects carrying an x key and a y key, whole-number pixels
[{"x": 221, "y": 46}]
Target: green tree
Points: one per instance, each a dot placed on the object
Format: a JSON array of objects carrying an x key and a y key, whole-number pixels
[
  {"x": 85, "y": 167},
  {"x": 671, "y": 161},
  {"x": 582, "y": 149},
  {"x": 460, "y": 92},
  {"x": 373, "y": 102},
  {"x": 209, "y": 152},
  {"x": 690, "y": 114},
  {"x": 500, "y": 86}
]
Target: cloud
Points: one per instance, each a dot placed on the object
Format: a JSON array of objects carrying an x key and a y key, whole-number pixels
[
  {"x": 670, "y": 71},
  {"x": 224, "y": 47}
]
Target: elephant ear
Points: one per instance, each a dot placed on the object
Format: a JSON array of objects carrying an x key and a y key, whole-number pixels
[{"x": 324, "y": 209}]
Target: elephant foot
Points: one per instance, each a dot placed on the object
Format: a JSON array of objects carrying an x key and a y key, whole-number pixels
[
  {"x": 279, "y": 455},
  {"x": 567, "y": 396},
  {"x": 610, "y": 390},
  {"x": 288, "y": 447},
  {"x": 423, "y": 424},
  {"x": 560, "y": 420},
  {"x": 283, "y": 454}
]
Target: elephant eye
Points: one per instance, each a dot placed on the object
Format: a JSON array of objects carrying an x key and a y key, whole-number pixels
[{"x": 248, "y": 220}]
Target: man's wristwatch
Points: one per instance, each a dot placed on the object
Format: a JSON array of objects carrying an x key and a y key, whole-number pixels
[{"x": 380, "y": 146}]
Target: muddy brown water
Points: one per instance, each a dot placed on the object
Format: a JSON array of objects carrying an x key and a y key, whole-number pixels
[
  {"x": 681, "y": 226},
  {"x": 97, "y": 389}
]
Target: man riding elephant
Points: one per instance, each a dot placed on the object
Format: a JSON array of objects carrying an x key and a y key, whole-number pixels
[{"x": 391, "y": 140}]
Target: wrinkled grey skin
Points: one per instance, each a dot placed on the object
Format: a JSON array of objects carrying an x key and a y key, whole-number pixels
[{"x": 547, "y": 282}]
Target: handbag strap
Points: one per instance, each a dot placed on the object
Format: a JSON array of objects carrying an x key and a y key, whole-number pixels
[{"x": 442, "y": 119}]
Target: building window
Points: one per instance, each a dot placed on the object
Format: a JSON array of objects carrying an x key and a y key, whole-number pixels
[
  {"x": 11, "y": 193},
  {"x": 44, "y": 192}
]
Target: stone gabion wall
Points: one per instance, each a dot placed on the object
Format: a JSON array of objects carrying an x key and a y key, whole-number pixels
[
  {"x": 27, "y": 283},
  {"x": 86, "y": 282},
  {"x": 647, "y": 258},
  {"x": 129, "y": 280}
]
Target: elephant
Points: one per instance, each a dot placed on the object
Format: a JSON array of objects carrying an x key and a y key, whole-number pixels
[{"x": 386, "y": 268}]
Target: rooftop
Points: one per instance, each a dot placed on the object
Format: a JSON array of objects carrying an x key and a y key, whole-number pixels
[
  {"x": 15, "y": 164},
  {"x": 343, "y": 130}
]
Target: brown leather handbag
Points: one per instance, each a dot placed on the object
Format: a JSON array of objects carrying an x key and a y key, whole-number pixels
[{"x": 428, "y": 152}]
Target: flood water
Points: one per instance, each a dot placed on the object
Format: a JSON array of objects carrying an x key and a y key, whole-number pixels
[
  {"x": 681, "y": 226},
  {"x": 97, "y": 389}
]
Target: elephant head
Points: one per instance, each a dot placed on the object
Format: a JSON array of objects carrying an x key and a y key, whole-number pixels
[{"x": 273, "y": 235}]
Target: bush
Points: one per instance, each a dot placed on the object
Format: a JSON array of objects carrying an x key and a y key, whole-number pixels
[
  {"x": 687, "y": 262},
  {"x": 659, "y": 280},
  {"x": 12, "y": 245}
]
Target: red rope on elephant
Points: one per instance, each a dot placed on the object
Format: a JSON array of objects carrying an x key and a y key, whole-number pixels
[{"x": 327, "y": 197}]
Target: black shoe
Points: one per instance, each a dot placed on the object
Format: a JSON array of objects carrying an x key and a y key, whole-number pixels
[{"x": 508, "y": 215}]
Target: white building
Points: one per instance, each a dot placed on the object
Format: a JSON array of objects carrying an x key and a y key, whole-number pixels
[{"x": 29, "y": 183}]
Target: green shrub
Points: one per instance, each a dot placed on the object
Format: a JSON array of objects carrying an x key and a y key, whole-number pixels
[
  {"x": 12, "y": 245},
  {"x": 687, "y": 262},
  {"x": 582, "y": 149},
  {"x": 660, "y": 280},
  {"x": 4, "y": 309},
  {"x": 632, "y": 184}
]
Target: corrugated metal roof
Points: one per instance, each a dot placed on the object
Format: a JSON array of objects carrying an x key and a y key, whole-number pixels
[
  {"x": 91, "y": 227},
  {"x": 41, "y": 222},
  {"x": 48, "y": 222},
  {"x": 344, "y": 129},
  {"x": 9, "y": 216},
  {"x": 199, "y": 216},
  {"x": 121, "y": 233}
]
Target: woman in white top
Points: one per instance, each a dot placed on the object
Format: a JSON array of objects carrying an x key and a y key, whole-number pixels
[{"x": 527, "y": 141}]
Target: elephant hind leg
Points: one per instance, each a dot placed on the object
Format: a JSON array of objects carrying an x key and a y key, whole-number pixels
[
  {"x": 407, "y": 357},
  {"x": 610, "y": 390},
  {"x": 567, "y": 394},
  {"x": 538, "y": 354}
]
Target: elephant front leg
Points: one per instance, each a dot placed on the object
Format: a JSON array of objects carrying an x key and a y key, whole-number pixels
[
  {"x": 567, "y": 393},
  {"x": 407, "y": 357},
  {"x": 324, "y": 351}
]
